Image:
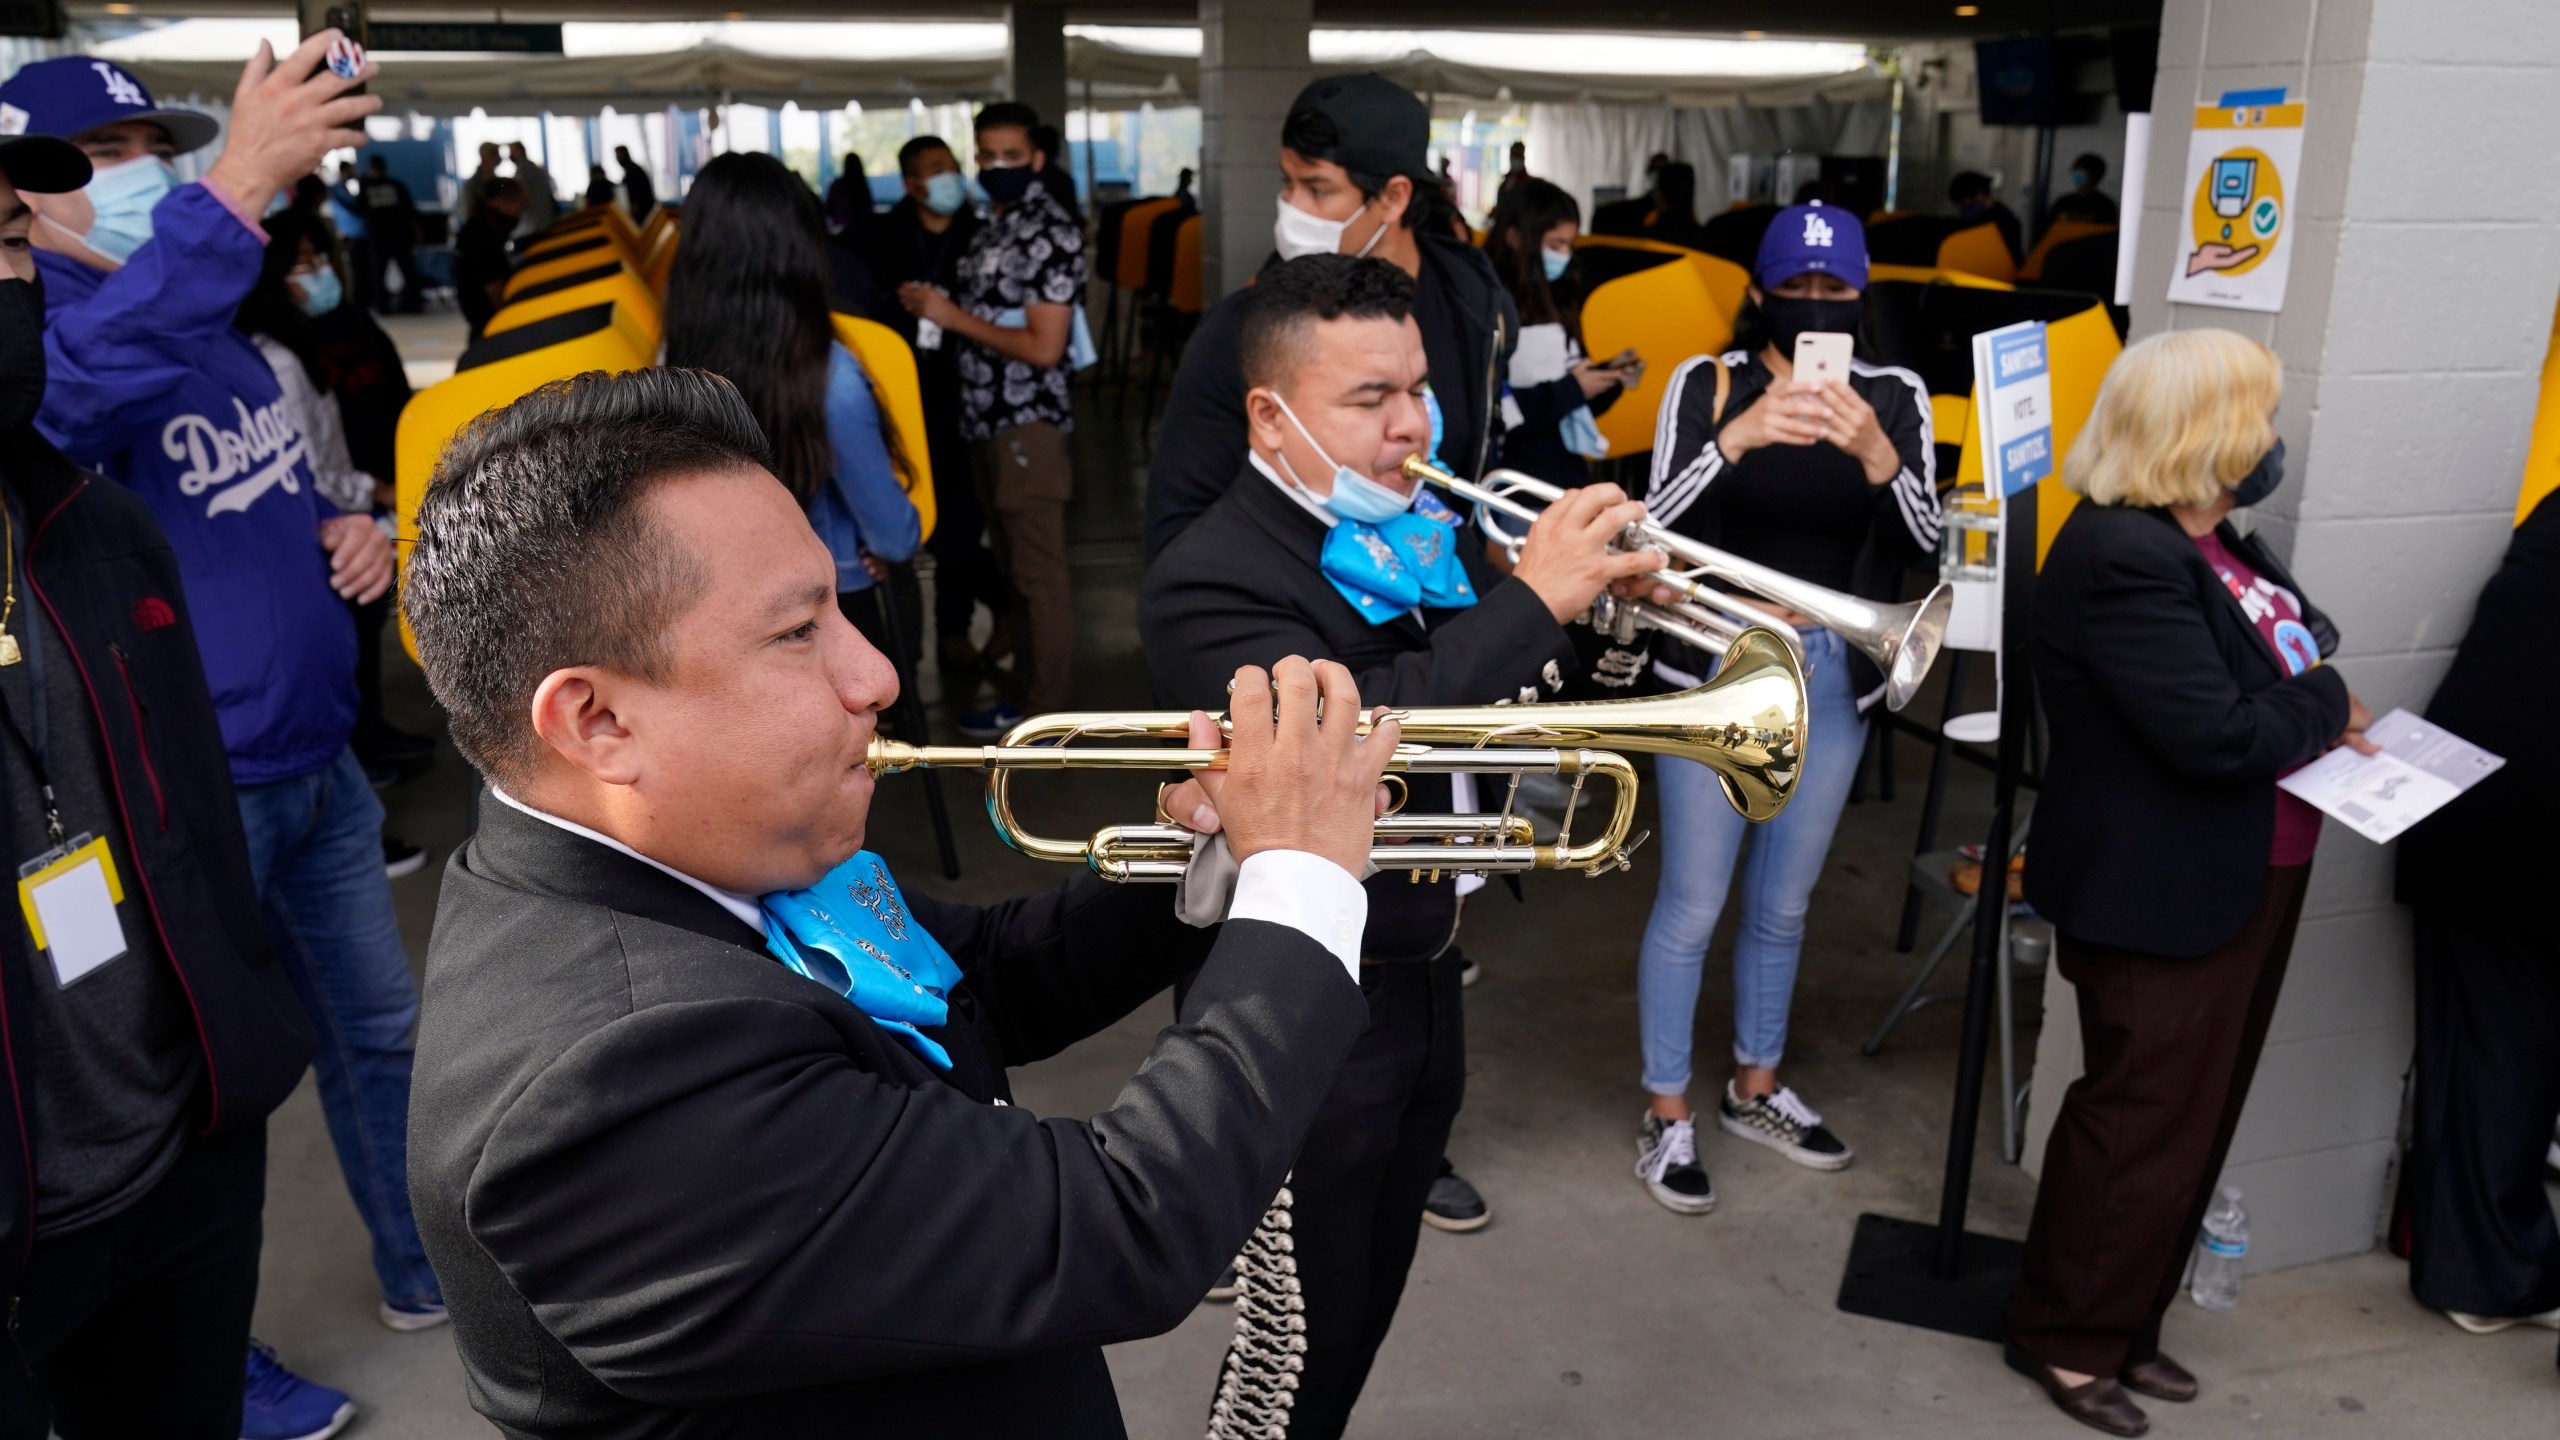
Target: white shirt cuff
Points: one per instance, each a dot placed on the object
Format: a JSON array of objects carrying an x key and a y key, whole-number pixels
[{"x": 1309, "y": 894}]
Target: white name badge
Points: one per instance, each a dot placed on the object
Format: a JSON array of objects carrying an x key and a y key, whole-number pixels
[{"x": 70, "y": 896}]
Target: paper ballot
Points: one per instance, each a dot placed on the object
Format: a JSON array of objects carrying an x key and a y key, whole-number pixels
[{"x": 2421, "y": 767}]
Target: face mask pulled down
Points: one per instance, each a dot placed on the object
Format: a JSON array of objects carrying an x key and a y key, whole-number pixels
[{"x": 1355, "y": 496}]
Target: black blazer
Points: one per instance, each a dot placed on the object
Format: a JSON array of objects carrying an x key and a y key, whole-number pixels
[
  {"x": 1240, "y": 586},
  {"x": 2170, "y": 721},
  {"x": 674, "y": 1190}
]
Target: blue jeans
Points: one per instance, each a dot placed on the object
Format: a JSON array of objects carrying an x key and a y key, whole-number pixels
[
  {"x": 315, "y": 847},
  {"x": 1701, "y": 837}
]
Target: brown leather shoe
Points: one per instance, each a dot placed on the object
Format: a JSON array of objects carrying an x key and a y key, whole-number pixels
[
  {"x": 2100, "y": 1404},
  {"x": 2161, "y": 1378}
]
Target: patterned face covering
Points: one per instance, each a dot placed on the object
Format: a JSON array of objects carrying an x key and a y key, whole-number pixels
[
  {"x": 852, "y": 933},
  {"x": 1388, "y": 568}
]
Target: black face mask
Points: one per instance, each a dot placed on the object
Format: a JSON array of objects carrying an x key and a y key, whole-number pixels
[
  {"x": 1004, "y": 184},
  {"x": 1790, "y": 316},
  {"x": 2261, "y": 481},
  {"x": 21, "y": 352}
]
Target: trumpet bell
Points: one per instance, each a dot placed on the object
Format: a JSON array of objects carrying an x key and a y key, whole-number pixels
[{"x": 1906, "y": 644}]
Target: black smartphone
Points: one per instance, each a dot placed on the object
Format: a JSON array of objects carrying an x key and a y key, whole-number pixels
[{"x": 346, "y": 53}]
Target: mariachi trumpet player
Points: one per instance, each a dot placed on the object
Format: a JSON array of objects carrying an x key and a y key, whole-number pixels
[
  {"x": 1322, "y": 546},
  {"x": 711, "y": 1133}
]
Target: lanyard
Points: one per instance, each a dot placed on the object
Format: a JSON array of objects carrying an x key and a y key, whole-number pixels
[{"x": 32, "y": 737}]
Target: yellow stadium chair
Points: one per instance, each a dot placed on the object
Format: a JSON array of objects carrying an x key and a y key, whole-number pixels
[
  {"x": 549, "y": 270},
  {"x": 645, "y": 322},
  {"x": 1135, "y": 224},
  {"x": 496, "y": 372},
  {"x": 595, "y": 241},
  {"x": 1978, "y": 250},
  {"x": 2062, "y": 233},
  {"x": 2078, "y": 350},
  {"x": 891, "y": 365},
  {"x": 2542, "y": 455},
  {"x": 662, "y": 262},
  {"x": 1924, "y": 275},
  {"x": 1666, "y": 314},
  {"x": 661, "y": 220},
  {"x": 1185, "y": 295}
]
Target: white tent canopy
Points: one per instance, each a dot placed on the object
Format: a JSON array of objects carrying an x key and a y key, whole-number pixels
[{"x": 632, "y": 66}]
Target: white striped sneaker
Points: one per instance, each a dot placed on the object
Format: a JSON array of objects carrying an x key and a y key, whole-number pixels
[{"x": 1785, "y": 1124}]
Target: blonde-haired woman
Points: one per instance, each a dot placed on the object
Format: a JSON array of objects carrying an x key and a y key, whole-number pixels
[{"x": 2180, "y": 669}]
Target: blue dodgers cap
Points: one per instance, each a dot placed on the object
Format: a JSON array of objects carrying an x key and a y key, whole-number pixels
[
  {"x": 1810, "y": 237},
  {"x": 74, "y": 94}
]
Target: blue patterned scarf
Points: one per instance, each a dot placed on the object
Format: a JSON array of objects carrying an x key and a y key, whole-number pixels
[
  {"x": 852, "y": 933},
  {"x": 1387, "y": 569}
]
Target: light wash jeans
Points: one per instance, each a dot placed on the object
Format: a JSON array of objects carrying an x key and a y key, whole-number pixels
[
  {"x": 315, "y": 848},
  {"x": 1701, "y": 837}
]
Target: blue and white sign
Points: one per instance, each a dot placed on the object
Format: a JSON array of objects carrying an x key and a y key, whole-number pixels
[{"x": 2016, "y": 386}]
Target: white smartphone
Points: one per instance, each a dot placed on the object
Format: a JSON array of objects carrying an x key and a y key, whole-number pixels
[{"x": 1822, "y": 355}]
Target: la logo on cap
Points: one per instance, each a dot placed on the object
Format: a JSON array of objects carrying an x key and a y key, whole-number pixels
[
  {"x": 120, "y": 87},
  {"x": 1817, "y": 231}
]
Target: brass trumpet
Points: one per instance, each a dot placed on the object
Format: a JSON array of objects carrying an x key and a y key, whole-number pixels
[
  {"x": 1903, "y": 640},
  {"x": 1747, "y": 725}
]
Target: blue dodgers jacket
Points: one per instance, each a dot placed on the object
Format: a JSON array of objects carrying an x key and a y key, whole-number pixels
[{"x": 149, "y": 384}]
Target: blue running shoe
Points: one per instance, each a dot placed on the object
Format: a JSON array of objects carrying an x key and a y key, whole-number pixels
[
  {"x": 405, "y": 1317},
  {"x": 990, "y": 723},
  {"x": 277, "y": 1404}
]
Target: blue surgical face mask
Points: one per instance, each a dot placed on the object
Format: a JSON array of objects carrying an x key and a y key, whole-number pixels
[
  {"x": 1355, "y": 496},
  {"x": 321, "y": 291},
  {"x": 123, "y": 195},
  {"x": 945, "y": 193},
  {"x": 1555, "y": 262}
]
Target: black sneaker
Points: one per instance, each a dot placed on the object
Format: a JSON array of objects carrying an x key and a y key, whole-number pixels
[
  {"x": 1785, "y": 1124},
  {"x": 1224, "y": 1291},
  {"x": 1667, "y": 1163},
  {"x": 1454, "y": 1205},
  {"x": 399, "y": 857}
]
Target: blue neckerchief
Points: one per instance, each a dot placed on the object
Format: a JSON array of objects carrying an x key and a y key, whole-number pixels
[
  {"x": 851, "y": 932},
  {"x": 1385, "y": 570}
]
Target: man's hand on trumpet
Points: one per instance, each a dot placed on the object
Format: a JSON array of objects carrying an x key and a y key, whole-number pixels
[
  {"x": 1294, "y": 779},
  {"x": 1568, "y": 558}
]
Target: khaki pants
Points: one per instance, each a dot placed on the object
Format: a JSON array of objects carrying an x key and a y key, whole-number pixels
[{"x": 1024, "y": 479}]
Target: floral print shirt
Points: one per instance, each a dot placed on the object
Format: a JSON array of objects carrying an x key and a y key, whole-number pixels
[{"x": 1030, "y": 253}]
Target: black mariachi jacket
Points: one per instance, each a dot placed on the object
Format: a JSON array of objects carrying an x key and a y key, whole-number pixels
[{"x": 102, "y": 572}]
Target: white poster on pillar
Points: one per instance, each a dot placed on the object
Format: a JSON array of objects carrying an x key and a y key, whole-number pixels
[{"x": 2235, "y": 246}]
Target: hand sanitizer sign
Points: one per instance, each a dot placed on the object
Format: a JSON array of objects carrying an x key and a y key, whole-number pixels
[
  {"x": 2016, "y": 415},
  {"x": 2242, "y": 157}
]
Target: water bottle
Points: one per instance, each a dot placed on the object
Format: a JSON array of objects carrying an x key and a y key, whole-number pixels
[{"x": 2219, "y": 1249}]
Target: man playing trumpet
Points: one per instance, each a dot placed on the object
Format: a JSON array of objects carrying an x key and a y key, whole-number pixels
[
  {"x": 1324, "y": 547},
  {"x": 711, "y": 1132}
]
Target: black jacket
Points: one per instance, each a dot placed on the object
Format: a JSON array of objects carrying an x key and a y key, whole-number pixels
[
  {"x": 1469, "y": 329},
  {"x": 2170, "y": 721},
  {"x": 1240, "y": 587},
  {"x": 674, "y": 1190},
  {"x": 104, "y": 574},
  {"x": 2491, "y": 847}
]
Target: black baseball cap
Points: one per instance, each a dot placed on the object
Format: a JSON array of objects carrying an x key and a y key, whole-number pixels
[
  {"x": 44, "y": 164},
  {"x": 1385, "y": 128}
]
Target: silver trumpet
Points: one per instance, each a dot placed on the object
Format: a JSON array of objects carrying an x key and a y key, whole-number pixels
[{"x": 1902, "y": 639}]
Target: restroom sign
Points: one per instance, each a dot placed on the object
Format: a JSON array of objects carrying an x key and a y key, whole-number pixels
[{"x": 2235, "y": 246}]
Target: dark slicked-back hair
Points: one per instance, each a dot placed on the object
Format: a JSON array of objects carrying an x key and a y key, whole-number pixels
[
  {"x": 912, "y": 154},
  {"x": 1290, "y": 299},
  {"x": 535, "y": 552},
  {"x": 1007, "y": 112}
]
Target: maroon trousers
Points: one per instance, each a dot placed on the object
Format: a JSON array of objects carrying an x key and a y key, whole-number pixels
[{"x": 2171, "y": 1044}]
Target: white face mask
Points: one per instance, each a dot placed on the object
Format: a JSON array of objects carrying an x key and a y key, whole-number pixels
[{"x": 1297, "y": 233}]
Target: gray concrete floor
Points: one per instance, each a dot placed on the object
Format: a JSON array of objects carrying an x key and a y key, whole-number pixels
[{"x": 1585, "y": 1309}]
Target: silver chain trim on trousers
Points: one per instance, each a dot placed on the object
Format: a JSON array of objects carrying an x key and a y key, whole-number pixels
[{"x": 1259, "y": 1382}]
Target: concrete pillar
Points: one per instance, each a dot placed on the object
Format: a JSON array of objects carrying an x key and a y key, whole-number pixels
[
  {"x": 2426, "y": 264},
  {"x": 1253, "y": 62},
  {"x": 1036, "y": 59}
]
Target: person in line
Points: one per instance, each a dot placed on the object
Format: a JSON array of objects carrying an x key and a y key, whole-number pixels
[
  {"x": 747, "y": 301},
  {"x": 1182, "y": 190},
  {"x": 2181, "y": 670},
  {"x": 1517, "y": 171},
  {"x": 481, "y": 259},
  {"x": 849, "y": 198},
  {"x": 140, "y": 1142},
  {"x": 346, "y": 212},
  {"x": 1833, "y": 482},
  {"x": 150, "y": 384},
  {"x": 736, "y": 1037},
  {"x": 541, "y": 195},
  {"x": 1021, "y": 283},
  {"x": 2084, "y": 200},
  {"x": 1354, "y": 155},
  {"x": 475, "y": 186},
  {"x": 600, "y": 188},
  {"x": 920, "y": 240},
  {"x": 1554, "y": 392},
  {"x": 639, "y": 192},
  {"x": 391, "y": 237},
  {"x": 2482, "y": 1244},
  {"x": 1977, "y": 202},
  {"x": 1336, "y": 375},
  {"x": 1629, "y": 216}
]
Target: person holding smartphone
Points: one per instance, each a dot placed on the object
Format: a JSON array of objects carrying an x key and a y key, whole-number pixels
[
  {"x": 1832, "y": 479},
  {"x": 1555, "y": 392}
]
